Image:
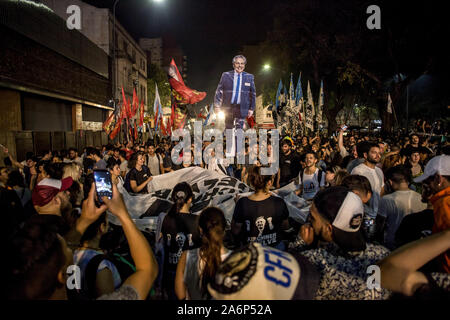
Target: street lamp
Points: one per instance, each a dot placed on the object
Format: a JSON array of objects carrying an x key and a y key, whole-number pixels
[{"x": 267, "y": 67}]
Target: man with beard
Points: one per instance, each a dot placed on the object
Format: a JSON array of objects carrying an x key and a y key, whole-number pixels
[
  {"x": 311, "y": 179},
  {"x": 333, "y": 242},
  {"x": 73, "y": 156},
  {"x": 375, "y": 176},
  {"x": 287, "y": 165},
  {"x": 51, "y": 201}
]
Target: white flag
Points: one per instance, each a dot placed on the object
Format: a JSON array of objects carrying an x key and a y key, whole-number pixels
[
  {"x": 320, "y": 106},
  {"x": 389, "y": 105},
  {"x": 309, "y": 110}
]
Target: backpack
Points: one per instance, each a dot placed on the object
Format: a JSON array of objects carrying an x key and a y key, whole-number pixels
[{"x": 319, "y": 177}]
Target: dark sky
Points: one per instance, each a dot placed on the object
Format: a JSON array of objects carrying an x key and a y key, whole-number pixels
[{"x": 211, "y": 32}]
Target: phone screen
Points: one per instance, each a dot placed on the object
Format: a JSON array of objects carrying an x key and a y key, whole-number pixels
[{"x": 103, "y": 184}]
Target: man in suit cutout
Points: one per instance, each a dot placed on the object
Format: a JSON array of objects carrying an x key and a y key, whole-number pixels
[{"x": 236, "y": 94}]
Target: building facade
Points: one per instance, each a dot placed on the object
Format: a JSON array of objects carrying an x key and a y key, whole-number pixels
[{"x": 128, "y": 60}]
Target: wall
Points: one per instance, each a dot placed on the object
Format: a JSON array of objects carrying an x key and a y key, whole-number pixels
[{"x": 11, "y": 118}]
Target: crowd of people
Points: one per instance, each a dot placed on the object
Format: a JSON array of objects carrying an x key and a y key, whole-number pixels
[{"x": 373, "y": 200}]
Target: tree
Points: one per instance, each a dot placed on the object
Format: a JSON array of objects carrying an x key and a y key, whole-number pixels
[
  {"x": 329, "y": 40},
  {"x": 157, "y": 75}
]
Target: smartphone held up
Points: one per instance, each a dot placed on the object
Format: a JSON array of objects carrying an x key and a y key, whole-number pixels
[{"x": 103, "y": 184}]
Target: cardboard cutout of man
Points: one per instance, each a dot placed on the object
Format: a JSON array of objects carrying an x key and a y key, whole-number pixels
[{"x": 236, "y": 94}]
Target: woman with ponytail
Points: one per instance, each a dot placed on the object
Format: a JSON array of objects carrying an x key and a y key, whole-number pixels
[
  {"x": 178, "y": 232},
  {"x": 198, "y": 267},
  {"x": 260, "y": 217}
]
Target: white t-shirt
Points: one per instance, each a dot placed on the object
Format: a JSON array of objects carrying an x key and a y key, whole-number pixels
[
  {"x": 124, "y": 166},
  {"x": 376, "y": 179},
  {"x": 394, "y": 207},
  {"x": 311, "y": 183},
  {"x": 153, "y": 164}
]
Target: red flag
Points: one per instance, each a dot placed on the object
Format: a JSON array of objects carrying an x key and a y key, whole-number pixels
[
  {"x": 115, "y": 131},
  {"x": 163, "y": 128},
  {"x": 141, "y": 114},
  {"x": 135, "y": 132},
  {"x": 107, "y": 124},
  {"x": 124, "y": 104},
  {"x": 117, "y": 126},
  {"x": 156, "y": 118},
  {"x": 135, "y": 103},
  {"x": 181, "y": 93}
]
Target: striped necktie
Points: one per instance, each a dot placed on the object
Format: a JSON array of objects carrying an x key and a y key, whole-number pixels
[{"x": 236, "y": 93}]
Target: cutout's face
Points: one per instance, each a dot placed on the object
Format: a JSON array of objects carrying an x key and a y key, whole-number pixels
[{"x": 239, "y": 65}]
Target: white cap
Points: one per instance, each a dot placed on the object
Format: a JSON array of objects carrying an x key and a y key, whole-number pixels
[{"x": 437, "y": 165}]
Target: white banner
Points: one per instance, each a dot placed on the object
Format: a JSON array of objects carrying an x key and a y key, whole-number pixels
[{"x": 210, "y": 189}]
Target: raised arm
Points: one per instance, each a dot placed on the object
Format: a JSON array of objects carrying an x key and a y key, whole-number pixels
[
  {"x": 89, "y": 214},
  {"x": 15, "y": 163},
  {"x": 144, "y": 260},
  {"x": 399, "y": 270}
]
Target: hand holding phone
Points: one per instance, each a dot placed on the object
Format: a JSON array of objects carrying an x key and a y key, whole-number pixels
[
  {"x": 344, "y": 127},
  {"x": 103, "y": 184}
]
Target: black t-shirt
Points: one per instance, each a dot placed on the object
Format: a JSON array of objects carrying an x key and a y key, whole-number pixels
[
  {"x": 167, "y": 161},
  {"x": 140, "y": 176},
  {"x": 287, "y": 168},
  {"x": 180, "y": 233},
  {"x": 261, "y": 220}
]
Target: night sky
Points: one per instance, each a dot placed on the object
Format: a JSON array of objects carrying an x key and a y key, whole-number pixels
[{"x": 211, "y": 32}]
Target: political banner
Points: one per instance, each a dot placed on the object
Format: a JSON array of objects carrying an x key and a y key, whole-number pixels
[{"x": 210, "y": 189}]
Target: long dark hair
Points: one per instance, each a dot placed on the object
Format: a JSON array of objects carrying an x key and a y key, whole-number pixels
[
  {"x": 133, "y": 160},
  {"x": 212, "y": 224},
  {"x": 181, "y": 194},
  {"x": 257, "y": 180}
]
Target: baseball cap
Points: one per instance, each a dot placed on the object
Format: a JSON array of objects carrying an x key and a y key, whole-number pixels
[
  {"x": 47, "y": 189},
  {"x": 345, "y": 210},
  {"x": 257, "y": 272},
  {"x": 437, "y": 165}
]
